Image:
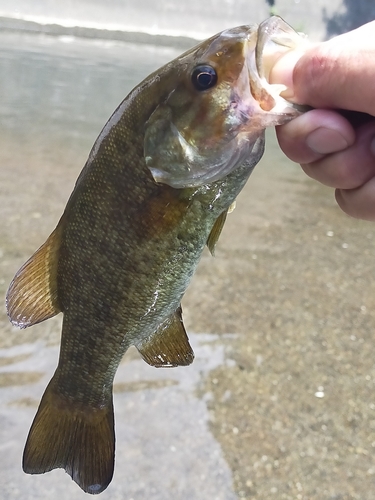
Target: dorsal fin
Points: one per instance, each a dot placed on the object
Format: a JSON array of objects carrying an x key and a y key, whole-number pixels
[
  {"x": 169, "y": 345},
  {"x": 32, "y": 295}
]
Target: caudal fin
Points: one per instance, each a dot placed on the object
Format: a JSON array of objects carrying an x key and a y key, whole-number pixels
[{"x": 81, "y": 441}]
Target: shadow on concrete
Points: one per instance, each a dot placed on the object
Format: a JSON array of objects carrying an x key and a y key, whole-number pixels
[{"x": 357, "y": 12}]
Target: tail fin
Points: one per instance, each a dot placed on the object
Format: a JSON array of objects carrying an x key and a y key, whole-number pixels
[{"x": 81, "y": 441}]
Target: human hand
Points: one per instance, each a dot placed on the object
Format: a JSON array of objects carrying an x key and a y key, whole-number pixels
[{"x": 335, "y": 75}]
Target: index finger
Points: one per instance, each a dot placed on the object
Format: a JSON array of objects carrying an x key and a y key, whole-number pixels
[{"x": 339, "y": 73}]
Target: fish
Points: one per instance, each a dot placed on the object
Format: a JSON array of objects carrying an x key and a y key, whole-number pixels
[{"x": 155, "y": 190}]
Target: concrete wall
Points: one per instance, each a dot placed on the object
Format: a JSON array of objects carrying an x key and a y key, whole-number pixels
[{"x": 193, "y": 18}]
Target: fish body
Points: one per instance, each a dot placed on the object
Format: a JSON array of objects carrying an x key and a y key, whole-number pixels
[{"x": 155, "y": 190}]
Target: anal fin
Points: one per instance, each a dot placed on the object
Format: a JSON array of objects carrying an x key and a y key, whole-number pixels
[
  {"x": 32, "y": 295},
  {"x": 169, "y": 345}
]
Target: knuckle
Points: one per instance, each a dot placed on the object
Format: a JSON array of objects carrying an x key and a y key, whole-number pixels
[{"x": 315, "y": 73}]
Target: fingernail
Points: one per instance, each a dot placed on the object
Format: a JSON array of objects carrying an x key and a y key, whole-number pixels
[
  {"x": 282, "y": 72},
  {"x": 325, "y": 140}
]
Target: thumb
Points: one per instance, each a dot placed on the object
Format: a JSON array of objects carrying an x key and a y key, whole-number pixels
[{"x": 337, "y": 74}]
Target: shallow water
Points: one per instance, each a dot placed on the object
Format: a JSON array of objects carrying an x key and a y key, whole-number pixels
[{"x": 56, "y": 95}]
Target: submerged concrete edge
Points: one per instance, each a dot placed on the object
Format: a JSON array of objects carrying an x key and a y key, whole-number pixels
[{"x": 13, "y": 24}]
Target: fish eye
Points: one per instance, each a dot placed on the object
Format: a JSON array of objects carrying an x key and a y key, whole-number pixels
[{"x": 204, "y": 77}]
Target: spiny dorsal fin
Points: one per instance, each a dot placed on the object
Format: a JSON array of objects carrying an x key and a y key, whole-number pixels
[
  {"x": 32, "y": 295},
  {"x": 169, "y": 345}
]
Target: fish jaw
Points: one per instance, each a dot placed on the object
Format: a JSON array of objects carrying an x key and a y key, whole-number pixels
[
  {"x": 275, "y": 37},
  {"x": 265, "y": 107},
  {"x": 197, "y": 137}
]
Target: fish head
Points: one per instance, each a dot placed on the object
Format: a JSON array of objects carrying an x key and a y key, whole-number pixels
[{"x": 220, "y": 104}]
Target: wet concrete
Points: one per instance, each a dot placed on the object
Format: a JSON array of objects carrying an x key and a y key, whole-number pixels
[{"x": 279, "y": 402}]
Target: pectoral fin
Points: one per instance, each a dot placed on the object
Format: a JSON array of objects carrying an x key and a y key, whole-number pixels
[
  {"x": 169, "y": 345},
  {"x": 232, "y": 207},
  {"x": 215, "y": 233},
  {"x": 32, "y": 295}
]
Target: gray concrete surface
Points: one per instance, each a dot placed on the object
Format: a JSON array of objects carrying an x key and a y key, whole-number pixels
[{"x": 280, "y": 403}]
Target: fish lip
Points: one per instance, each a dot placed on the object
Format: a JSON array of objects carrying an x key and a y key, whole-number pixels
[
  {"x": 273, "y": 38},
  {"x": 275, "y": 30}
]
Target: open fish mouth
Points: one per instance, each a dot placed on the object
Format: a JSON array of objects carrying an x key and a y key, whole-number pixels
[
  {"x": 194, "y": 148},
  {"x": 274, "y": 39}
]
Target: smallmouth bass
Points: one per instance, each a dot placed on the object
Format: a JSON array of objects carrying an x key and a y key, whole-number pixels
[{"x": 155, "y": 190}]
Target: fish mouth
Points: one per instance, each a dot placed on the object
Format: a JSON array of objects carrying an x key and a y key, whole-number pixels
[{"x": 274, "y": 38}]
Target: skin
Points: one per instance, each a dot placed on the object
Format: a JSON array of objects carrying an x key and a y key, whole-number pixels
[{"x": 335, "y": 150}]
